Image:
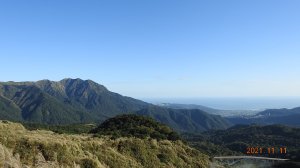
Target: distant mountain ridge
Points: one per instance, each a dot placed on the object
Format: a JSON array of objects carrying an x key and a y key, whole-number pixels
[
  {"x": 223, "y": 113},
  {"x": 283, "y": 116},
  {"x": 71, "y": 101},
  {"x": 186, "y": 120},
  {"x": 189, "y": 106},
  {"x": 279, "y": 112}
]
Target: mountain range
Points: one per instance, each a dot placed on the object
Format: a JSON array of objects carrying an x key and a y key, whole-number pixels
[
  {"x": 284, "y": 116},
  {"x": 72, "y": 101}
]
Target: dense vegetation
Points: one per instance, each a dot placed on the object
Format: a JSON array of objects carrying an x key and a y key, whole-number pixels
[
  {"x": 135, "y": 126},
  {"x": 73, "y": 101},
  {"x": 238, "y": 138},
  {"x": 61, "y": 129},
  {"x": 22, "y": 148}
]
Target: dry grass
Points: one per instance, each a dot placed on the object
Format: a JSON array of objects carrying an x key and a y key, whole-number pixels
[{"x": 20, "y": 147}]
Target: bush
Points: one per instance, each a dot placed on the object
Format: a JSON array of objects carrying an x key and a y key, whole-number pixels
[{"x": 135, "y": 126}]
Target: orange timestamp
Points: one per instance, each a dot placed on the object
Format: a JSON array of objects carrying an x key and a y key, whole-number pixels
[{"x": 266, "y": 150}]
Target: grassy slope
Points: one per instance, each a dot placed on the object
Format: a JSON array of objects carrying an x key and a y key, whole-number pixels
[{"x": 19, "y": 146}]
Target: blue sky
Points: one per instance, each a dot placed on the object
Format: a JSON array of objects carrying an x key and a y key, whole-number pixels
[{"x": 156, "y": 48}]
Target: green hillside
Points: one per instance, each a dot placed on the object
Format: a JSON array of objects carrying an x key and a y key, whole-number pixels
[
  {"x": 185, "y": 120},
  {"x": 67, "y": 101},
  {"x": 9, "y": 110},
  {"x": 73, "y": 101}
]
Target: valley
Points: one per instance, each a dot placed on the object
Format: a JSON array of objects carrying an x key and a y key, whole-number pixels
[{"x": 106, "y": 129}]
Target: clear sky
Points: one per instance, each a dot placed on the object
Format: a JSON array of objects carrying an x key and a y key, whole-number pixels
[{"x": 156, "y": 48}]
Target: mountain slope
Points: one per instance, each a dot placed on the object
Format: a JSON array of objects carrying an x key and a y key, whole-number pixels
[
  {"x": 185, "y": 120},
  {"x": 38, "y": 106},
  {"x": 9, "y": 110},
  {"x": 72, "y": 101},
  {"x": 88, "y": 95},
  {"x": 67, "y": 101}
]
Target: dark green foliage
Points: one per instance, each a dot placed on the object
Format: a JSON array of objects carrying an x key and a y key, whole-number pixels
[
  {"x": 238, "y": 138},
  {"x": 204, "y": 145},
  {"x": 66, "y": 129},
  {"x": 135, "y": 126},
  {"x": 163, "y": 157}
]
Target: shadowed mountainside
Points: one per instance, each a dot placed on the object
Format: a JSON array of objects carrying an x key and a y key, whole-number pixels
[{"x": 186, "y": 120}]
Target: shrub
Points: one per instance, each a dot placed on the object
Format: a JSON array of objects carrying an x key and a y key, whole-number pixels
[{"x": 130, "y": 125}]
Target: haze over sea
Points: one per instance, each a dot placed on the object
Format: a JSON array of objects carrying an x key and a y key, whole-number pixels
[{"x": 234, "y": 103}]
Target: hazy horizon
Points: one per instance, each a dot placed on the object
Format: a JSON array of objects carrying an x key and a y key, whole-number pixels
[{"x": 233, "y": 103}]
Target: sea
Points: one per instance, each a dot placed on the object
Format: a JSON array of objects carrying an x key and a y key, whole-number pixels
[{"x": 233, "y": 103}]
